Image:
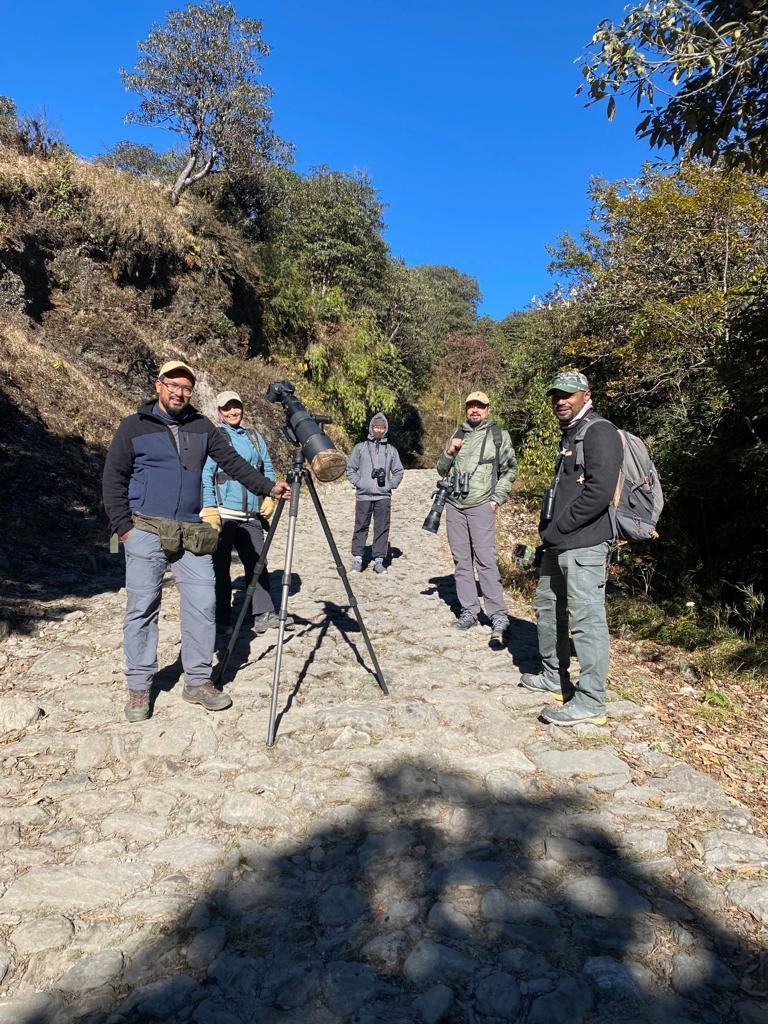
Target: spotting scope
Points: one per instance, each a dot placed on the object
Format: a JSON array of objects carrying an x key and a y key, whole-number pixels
[{"x": 321, "y": 454}]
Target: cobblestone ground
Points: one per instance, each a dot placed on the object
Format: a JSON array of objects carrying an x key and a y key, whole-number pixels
[{"x": 435, "y": 855}]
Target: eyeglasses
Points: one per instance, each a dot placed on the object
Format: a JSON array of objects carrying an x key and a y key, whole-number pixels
[{"x": 178, "y": 389}]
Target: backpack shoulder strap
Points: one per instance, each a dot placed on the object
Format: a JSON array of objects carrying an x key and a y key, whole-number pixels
[
  {"x": 578, "y": 438},
  {"x": 497, "y": 439},
  {"x": 495, "y": 431},
  {"x": 255, "y": 438}
]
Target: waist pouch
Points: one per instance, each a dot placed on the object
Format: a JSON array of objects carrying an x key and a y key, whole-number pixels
[{"x": 175, "y": 536}]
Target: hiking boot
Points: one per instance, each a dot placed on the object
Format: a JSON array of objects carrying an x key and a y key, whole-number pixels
[
  {"x": 573, "y": 714},
  {"x": 465, "y": 621},
  {"x": 540, "y": 685},
  {"x": 356, "y": 565},
  {"x": 378, "y": 565},
  {"x": 499, "y": 626},
  {"x": 207, "y": 695},
  {"x": 274, "y": 620},
  {"x": 137, "y": 708},
  {"x": 261, "y": 623}
]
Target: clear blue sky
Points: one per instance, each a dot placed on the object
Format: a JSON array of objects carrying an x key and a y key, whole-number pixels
[{"x": 464, "y": 116}]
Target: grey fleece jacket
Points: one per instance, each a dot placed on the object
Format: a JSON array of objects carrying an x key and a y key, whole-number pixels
[{"x": 374, "y": 454}]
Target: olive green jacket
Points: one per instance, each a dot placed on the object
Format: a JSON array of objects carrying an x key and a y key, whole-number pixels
[{"x": 467, "y": 459}]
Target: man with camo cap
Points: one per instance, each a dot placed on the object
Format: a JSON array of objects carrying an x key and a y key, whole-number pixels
[{"x": 576, "y": 533}]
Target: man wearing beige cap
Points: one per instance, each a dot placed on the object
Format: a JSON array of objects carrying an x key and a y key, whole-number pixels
[
  {"x": 152, "y": 491},
  {"x": 240, "y": 511},
  {"x": 480, "y": 463}
]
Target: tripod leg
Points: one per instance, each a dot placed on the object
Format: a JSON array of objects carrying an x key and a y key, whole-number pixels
[
  {"x": 344, "y": 579},
  {"x": 293, "y": 513},
  {"x": 222, "y": 667}
]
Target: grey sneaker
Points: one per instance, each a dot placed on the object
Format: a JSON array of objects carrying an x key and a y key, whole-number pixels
[
  {"x": 378, "y": 565},
  {"x": 261, "y": 623},
  {"x": 499, "y": 626},
  {"x": 574, "y": 715},
  {"x": 207, "y": 695},
  {"x": 274, "y": 620},
  {"x": 356, "y": 565},
  {"x": 466, "y": 620},
  {"x": 539, "y": 685},
  {"x": 137, "y": 708}
]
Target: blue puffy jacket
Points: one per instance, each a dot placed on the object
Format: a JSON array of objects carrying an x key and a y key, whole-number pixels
[{"x": 221, "y": 490}]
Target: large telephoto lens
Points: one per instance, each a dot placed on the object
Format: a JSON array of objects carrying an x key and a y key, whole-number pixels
[
  {"x": 324, "y": 458},
  {"x": 432, "y": 523}
]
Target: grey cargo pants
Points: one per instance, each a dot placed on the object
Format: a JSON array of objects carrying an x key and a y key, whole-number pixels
[
  {"x": 571, "y": 595},
  {"x": 472, "y": 538},
  {"x": 380, "y": 510},
  {"x": 145, "y": 564}
]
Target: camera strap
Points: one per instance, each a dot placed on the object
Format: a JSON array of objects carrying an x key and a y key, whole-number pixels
[
  {"x": 559, "y": 465},
  {"x": 376, "y": 447}
]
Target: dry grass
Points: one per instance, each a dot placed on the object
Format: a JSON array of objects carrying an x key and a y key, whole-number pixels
[
  {"x": 65, "y": 398},
  {"x": 129, "y": 217},
  {"x": 135, "y": 213}
]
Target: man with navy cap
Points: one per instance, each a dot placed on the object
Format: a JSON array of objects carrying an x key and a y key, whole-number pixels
[{"x": 576, "y": 533}]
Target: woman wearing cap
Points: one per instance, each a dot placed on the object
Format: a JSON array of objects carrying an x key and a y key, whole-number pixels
[{"x": 241, "y": 521}]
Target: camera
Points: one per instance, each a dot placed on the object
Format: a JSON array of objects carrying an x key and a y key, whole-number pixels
[
  {"x": 379, "y": 475},
  {"x": 526, "y": 556},
  {"x": 432, "y": 523},
  {"x": 304, "y": 429}
]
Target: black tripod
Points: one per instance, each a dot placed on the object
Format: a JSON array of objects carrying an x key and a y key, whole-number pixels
[{"x": 297, "y": 474}]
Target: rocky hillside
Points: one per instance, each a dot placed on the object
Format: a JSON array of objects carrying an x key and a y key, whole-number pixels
[{"x": 100, "y": 281}]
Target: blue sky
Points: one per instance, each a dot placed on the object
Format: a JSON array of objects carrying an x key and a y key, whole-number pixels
[{"x": 464, "y": 116}]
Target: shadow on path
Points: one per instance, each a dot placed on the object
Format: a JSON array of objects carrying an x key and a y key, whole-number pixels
[{"x": 436, "y": 900}]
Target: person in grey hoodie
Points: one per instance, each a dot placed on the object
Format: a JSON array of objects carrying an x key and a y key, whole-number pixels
[{"x": 374, "y": 469}]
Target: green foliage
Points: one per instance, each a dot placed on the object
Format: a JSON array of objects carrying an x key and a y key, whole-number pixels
[
  {"x": 542, "y": 437},
  {"x": 9, "y": 124},
  {"x": 143, "y": 161},
  {"x": 706, "y": 60},
  {"x": 353, "y": 368},
  {"x": 199, "y": 76},
  {"x": 667, "y": 311},
  {"x": 64, "y": 195},
  {"x": 329, "y": 225},
  {"x": 717, "y": 699}
]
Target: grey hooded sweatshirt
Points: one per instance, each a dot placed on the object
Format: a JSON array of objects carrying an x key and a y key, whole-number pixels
[{"x": 375, "y": 453}]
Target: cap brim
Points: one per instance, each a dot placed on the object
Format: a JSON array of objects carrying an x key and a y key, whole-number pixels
[{"x": 568, "y": 391}]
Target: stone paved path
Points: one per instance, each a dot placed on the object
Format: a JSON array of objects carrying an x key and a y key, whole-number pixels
[{"x": 437, "y": 855}]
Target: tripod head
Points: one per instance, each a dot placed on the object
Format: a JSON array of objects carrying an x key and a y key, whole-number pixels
[{"x": 306, "y": 431}]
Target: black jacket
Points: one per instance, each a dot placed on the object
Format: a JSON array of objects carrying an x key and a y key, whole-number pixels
[
  {"x": 584, "y": 493},
  {"x": 145, "y": 471}
]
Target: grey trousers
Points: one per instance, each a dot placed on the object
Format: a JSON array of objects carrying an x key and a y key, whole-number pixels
[
  {"x": 380, "y": 510},
  {"x": 145, "y": 564},
  {"x": 571, "y": 596},
  {"x": 472, "y": 538}
]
